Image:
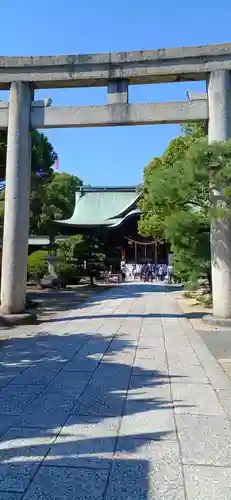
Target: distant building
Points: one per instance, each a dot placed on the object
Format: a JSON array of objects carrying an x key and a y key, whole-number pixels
[{"x": 113, "y": 213}]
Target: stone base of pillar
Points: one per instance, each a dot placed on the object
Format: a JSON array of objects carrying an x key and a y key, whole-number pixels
[
  {"x": 217, "y": 320},
  {"x": 25, "y": 318}
]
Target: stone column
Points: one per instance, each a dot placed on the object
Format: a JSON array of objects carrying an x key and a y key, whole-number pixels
[
  {"x": 117, "y": 92},
  {"x": 219, "y": 129},
  {"x": 16, "y": 219},
  {"x": 117, "y": 99}
]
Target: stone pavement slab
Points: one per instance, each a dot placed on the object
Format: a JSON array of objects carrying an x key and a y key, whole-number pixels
[
  {"x": 21, "y": 453},
  {"x": 183, "y": 371},
  {"x": 205, "y": 439},
  {"x": 72, "y": 383},
  {"x": 99, "y": 402},
  {"x": 48, "y": 410},
  {"x": 146, "y": 469},
  {"x": 67, "y": 483},
  {"x": 6, "y": 376},
  {"x": 118, "y": 398},
  {"x": 197, "y": 398},
  {"x": 10, "y": 496},
  {"x": 144, "y": 394},
  {"x": 84, "y": 364},
  {"x": 224, "y": 397},
  {"x": 208, "y": 483},
  {"x": 5, "y": 423},
  {"x": 37, "y": 374},
  {"x": 150, "y": 364},
  {"x": 215, "y": 374},
  {"x": 14, "y": 399},
  {"x": 149, "y": 424},
  {"x": 84, "y": 442}
]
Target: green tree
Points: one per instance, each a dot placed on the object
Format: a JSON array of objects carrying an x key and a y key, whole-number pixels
[
  {"x": 71, "y": 248},
  {"x": 67, "y": 272},
  {"x": 176, "y": 199},
  {"x": 55, "y": 200},
  {"x": 42, "y": 159},
  {"x": 70, "y": 253},
  {"x": 195, "y": 129},
  {"x": 52, "y": 194},
  {"x": 81, "y": 255},
  {"x": 37, "y": 265},
  {"x": 94, "y": 256},
  {"x": 162, "y": 185}
]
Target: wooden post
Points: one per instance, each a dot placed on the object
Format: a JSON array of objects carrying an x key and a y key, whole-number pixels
[
  {"x": 156, "y": 253},
  {"x": 135, "y": 252}
]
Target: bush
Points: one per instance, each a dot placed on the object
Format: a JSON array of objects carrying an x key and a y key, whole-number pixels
[
  {"x": 206, "y": 300},
  {"x": 67, "y": 272},
  {"x": 37, "y": 265},
  {"x": 188, "y": 295},
  {"x": 191, "y": 286}
]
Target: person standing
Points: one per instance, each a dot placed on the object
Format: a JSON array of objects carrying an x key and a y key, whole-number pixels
[
  {"x": 149, "y": 271},
  {"x": 161, "y": 273},
  {"x": 134, "y": 272},
  {"x": 153, "y": 272},
  {"x": 123, "y": 272},
  {"x": 169, "y": 273}
]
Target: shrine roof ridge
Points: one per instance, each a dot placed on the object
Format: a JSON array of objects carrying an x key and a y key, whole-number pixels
[{"x": 99, "y": 189}]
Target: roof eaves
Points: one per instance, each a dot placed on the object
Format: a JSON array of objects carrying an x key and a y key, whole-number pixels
[{"x": 111, "y": 189}]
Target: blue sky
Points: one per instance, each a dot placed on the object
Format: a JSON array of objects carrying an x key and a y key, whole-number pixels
[{"x": 111, "y": 156}]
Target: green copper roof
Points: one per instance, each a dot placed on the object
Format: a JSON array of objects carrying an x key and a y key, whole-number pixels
[{"x": 103, "y": 206}]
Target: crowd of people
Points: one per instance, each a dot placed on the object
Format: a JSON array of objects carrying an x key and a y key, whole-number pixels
[{"x": 148, "y": 272}]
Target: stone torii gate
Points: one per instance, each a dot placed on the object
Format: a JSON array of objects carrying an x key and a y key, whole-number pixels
[{"x": 23, "y": 75}]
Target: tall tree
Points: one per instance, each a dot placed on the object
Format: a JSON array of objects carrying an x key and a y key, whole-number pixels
[
  {"x": 55, "y": 200},
  {"x": 82, "y": 254},
  {"x": 156, "y": 185},
  {"x": 52, "y": 194},
  {"x": 176, "y": 199},
  {"x": 43, "y": 157},
  {"x": 195, "y": 129}
]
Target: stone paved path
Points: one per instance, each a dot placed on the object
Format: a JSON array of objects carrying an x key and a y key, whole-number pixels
[{"x": 118, "y": 400}]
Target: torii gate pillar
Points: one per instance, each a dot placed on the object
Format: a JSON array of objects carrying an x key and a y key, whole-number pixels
[
  {"x": 219, "y": 95},
  {"x": 16, "y": 218}
]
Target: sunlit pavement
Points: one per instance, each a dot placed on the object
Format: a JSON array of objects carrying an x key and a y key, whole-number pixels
[{"x": 118, "y": 399}]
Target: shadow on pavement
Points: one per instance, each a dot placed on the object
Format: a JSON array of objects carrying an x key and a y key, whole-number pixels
[
  {"x": 56, "y": 301},
  {"x": 131, "y": 291},
  {"x": 146, "y": 316},
  {"x": 61, "y": 402}
]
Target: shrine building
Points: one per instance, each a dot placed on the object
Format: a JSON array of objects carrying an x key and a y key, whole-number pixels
[{"x": 113, "y": 214}]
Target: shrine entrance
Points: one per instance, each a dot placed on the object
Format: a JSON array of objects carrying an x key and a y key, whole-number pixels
[{"x": 138, "y": 251}]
